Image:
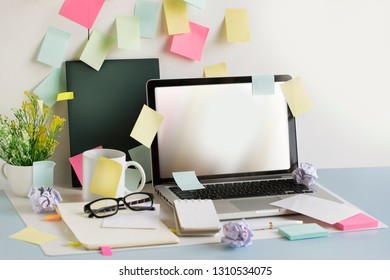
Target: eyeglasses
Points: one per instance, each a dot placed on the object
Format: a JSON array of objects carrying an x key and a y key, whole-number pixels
[{"x": 106, "y": 207}]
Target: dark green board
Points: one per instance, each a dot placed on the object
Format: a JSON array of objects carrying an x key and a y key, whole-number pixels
[{"x": 107, "y": 103}]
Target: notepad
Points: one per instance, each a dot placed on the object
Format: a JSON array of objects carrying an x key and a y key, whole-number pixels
[
  {"x": 359, "y": 221},
  {"x": 303, "y": 231},
  {"x": 196, "y": 217}
]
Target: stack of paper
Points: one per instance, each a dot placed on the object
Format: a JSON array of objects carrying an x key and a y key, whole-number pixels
[{"x": 196, "y": 217}]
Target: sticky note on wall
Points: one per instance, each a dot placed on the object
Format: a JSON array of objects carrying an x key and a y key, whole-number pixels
[
  {"x": 96, "y": 50},
  {"x": 128, "y": 32},
  {"x": 147, "y": 12},
  {"x": 176, "y": 16},
  {"x": 82, "y": 12},
  {"x": 216, "y": 70},
  {"x": 237, "y": 25},
  {"x": 296, "y": 96}
]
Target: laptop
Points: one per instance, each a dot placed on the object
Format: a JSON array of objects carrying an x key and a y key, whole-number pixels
[{"x": 241, "y": 146}]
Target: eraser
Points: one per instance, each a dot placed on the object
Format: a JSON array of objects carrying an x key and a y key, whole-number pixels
[
  {"x": 359, "y": 221},
  {"x": 303, "y": 231}
]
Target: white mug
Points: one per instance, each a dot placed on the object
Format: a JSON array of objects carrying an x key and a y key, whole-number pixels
[
  {"x": 90, "y": 159},
  {"x": 19, "y": 178}
]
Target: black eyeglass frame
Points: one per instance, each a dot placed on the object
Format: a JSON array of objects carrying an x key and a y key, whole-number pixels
[{"x": 88, "y": 210}]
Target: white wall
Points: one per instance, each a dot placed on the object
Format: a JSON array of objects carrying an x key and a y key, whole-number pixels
[{"x": 339, "y": 48}]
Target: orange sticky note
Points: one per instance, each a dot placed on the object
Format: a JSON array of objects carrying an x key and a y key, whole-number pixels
[{"x": 52, "y": 217}]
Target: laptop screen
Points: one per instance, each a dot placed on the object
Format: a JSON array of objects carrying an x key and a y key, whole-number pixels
[{"x": 217, "y": 127}]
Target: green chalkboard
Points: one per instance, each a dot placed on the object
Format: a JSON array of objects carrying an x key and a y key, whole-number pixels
[{"x": 107, "y": 103}]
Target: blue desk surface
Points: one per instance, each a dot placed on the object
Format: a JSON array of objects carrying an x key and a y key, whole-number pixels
[{"x": 367, "y": 188}]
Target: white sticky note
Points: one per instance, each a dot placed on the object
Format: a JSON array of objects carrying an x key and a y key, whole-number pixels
[{"x": 187, "y": 180}]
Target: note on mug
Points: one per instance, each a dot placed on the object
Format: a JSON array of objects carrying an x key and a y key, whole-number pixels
[{"x": 106, "y": 177}]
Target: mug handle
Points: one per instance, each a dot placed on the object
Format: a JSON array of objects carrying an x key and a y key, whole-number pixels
[
  {"x": 141, "y": 171},
  {"x": 3, "y": 166}
]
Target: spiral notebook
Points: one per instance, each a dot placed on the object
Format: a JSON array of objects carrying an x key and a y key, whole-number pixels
[{"x": 196, "y": 217}]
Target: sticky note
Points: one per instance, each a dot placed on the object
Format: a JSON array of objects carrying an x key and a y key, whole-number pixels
[
  {"x": 43, "y": 173},
  {"x": 296, "y": 96},
  {"x": 83, "y": 12},
  {"x": 128, "y": 32},
  {"x": 32, "y": 235},
  {"x": 49, "y": 88},
  {"x": 106, "y": 250},
  {"x": 52, "y": 217},
  {"x": 77, "y": 164},
  {"x": 190, "y": 44},
  {"x": 216, "y": 70},
  {"x": 69, "y": 95},
  {"x": 197, "y": 3},
  {"x": 263, "y": 84},
  {"x": 106, "y": 177},
  {"x": 187, "y": 180},
  {"x": 96, "y": 49},
  {"x": 358, "y": 221},
  {"x": 237, "y": 25},
  {"x": 146, "y": 126},
  {"x": 303, "y": 231},
  {"x": 54, "y": 47},
  {"x": 141, "y": 154},
  {"x": 176, "y": 16},
  {"x": 147, "y": 12}
]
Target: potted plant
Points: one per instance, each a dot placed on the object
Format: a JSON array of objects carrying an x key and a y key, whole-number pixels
[{"x": 30, "y": 137}]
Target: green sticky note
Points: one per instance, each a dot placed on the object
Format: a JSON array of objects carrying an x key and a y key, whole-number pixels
[
  {"x": 128, "y": 32},
  {"x": 96, "y": 50},
  {"x": 303, "y": 231}
]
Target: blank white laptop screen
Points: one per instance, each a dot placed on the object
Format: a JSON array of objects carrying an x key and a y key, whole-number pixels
[{"x": 217, "y": 129}]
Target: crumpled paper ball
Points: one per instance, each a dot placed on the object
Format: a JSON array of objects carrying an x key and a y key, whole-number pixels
[
  {"x": 305, "y": 174},
  {"x": 44, "y": 199},
  {"x": 237, "y": 234}
]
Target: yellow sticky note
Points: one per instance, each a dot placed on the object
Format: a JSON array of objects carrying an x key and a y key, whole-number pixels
[
  {"x": 146, "y": 126},
  {"x": 237, "y": 25},
  {"x": 216, "y": 70},
  {"x": 176, "y": 16},
  {"x": 296, "y": 96},
  {"x": 65, "y": 96},
  {"x": 32, "y": 235},
  {"x": 106, "y": 177}
]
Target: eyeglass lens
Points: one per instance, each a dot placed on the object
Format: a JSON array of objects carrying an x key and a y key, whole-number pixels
[
  {"x": 105, "y": 207},
  {"x": 138, "y": 201}
]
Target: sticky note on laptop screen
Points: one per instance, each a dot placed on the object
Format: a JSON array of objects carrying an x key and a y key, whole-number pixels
[
  {"x": 359, "y": 221},
  {"x": 303, "y": 231}
]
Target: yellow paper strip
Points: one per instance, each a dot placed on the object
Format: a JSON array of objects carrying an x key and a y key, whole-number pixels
[{"x": 65, "y": 96}]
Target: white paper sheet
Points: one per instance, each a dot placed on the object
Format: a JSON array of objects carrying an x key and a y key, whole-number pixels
[{"x": 321, "y": 209}]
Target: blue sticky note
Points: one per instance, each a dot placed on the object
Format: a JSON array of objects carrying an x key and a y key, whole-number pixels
[
  {"x": 197, "y": 3},
  {"x": 54, "y": 47},
  {"x": 187, "y": 180},
  {"x": 43, "y": 173},
  {"x": 263, "y": 84},
  {"x": 49, "y": 88},
  {"x": 303, "y": 231},
  {"x": 147, "y": 13}
]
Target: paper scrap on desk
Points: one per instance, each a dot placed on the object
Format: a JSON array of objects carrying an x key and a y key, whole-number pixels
[
  {"x": 43, "y": 173},
  {"x": 77, "y": 164},
  {"x": 32, "y": 235},
  {"x": 197, "y": 3},
  {"x": 146, "y": 126},
  {"x": 147, "y": 12},
  {"x": 296, "y": 96},
  {"x": 190, "y": 44},
  {"x": 318, "y": 208},
  {"x": 237, "y": 25},
  {"x": 132, "y": 219},
  {"x": 216, "y": 70},
  {"x": 141, "y": 154},
  {"x": 187, "y": 180},
  {"x": 128, "y": 32},
  {"x": 96, "y": 49},
  {"x": 106, "y": 177},
  {"x": 263, "y": 84},
  {"x": 69, "y": 95},
  {"x": 176, "y": 16},
  {"x": 54, "y": 47},
  {"x": 49, "y": 88},
  {"x": 82, "y": 12}
]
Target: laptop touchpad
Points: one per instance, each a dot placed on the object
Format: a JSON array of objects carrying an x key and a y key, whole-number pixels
[{"x": 251, "y": 204}]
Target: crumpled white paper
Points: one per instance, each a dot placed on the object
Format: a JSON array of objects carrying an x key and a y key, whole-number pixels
[
  {"x": 305, "y": 174},
  {"x": 237, "y": 234},
  {"x": 44, "y": 199}
]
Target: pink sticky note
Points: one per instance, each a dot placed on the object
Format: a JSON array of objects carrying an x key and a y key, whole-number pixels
[
  {"x": 77, "y": 165},
  {"x": 358, "y": 221},
  {"x": 83, "y": 12},
  {"x": 190, "y": 44},
  {"x": 106, "y": 250}
]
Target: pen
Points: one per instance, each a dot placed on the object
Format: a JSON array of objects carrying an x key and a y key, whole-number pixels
[{"x": 271, "y": 225}]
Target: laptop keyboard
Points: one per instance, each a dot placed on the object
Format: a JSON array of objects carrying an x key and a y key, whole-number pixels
[{"x": 243, "y": 189}]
